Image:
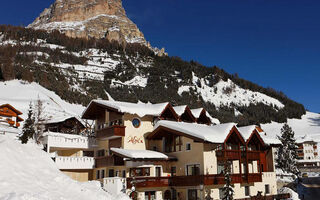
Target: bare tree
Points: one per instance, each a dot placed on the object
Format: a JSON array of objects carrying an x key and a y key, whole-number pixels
[{"x": 40, "y": 118}]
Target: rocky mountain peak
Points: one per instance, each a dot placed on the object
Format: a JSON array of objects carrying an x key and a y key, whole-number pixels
[{"x": 91, "y": 18}]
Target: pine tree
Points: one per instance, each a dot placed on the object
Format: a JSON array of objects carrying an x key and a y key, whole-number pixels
[
  {"x": 287, "y": 153},
  {"x": 227, "y": 189},
  {"x": 28, "y": 127}
]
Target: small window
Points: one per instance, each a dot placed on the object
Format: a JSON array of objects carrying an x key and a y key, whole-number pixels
[
  {"x": 188, "y": 147},
  {"x": 247, "y": 191},
  {"x": 102, "y": 175},
  {"x": 111, "y": 172},
  {"x": 136, "y": 123},
  {"x": 98, "y": 174},
  {"x": 124, "y": 174},
  {"x": 173, "y": 171},
  {"x": 154, "y": 148},
  {"x": 221, "y": 193},
  {"x": 267, "y": 189}
]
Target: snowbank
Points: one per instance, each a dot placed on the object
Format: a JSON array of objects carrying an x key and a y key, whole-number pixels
[
  {"x": 294, "y": 195},
  {"x": 27, "y": 173}
]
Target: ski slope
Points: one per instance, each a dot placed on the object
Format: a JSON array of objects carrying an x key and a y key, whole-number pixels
[
  {"x": 309, "y": 125},
  {"x": 20, "y": 93}
]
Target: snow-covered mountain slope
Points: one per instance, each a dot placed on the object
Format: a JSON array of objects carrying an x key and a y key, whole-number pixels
[
  {"x": 28, "y": 173},
  {"x": 309, "y": 125},
  {"x": 20, "y": 93}
]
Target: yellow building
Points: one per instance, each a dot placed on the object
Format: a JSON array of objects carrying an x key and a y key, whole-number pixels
[{"x": 157, "y": 151}]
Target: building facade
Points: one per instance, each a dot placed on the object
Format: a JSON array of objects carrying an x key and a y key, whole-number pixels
[
  {"x": 156, "y": 151},
  {"x": 10, "y": 116}
]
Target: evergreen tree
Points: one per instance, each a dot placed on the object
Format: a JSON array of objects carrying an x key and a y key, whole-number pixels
[
  {"x": 227, "y": 189},
  {"x": 28, "y": 127},
  {"x": 287, "y": 153}
]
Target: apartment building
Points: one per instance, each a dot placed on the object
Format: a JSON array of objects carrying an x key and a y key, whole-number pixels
[
  {"x": 308, "y": 159},
  {"x": 69, "y": 148},
  {"x": 157, "y": 151}
]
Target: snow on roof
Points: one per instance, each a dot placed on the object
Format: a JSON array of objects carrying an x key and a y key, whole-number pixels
[
  {"x": 269, "y": 140},
  {"x": 180, "y": 109},
  {"x": 305, "y": 138},
  {"x": 246, "y": 131},
  {"x": 214, "y": 134},
  {"x": 58, "y": 119},
  {"x": 196, "y": 112},
  {"x": 140, "y": 154},
  {"x": 140, "y": 109},
  {"x": 67, "y": 136}
]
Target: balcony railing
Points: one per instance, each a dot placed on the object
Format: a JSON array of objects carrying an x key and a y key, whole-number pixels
[
  {"x": 107, "y": 161},
  {"x": 74, "y": 162},
  {"x": 185, "y": 181},
  {"x": 115, "y": 130},
  {"x": 253, "y": 155},
  {"x": 228, "y": 154},
  {"x": 60, "y": 140}
]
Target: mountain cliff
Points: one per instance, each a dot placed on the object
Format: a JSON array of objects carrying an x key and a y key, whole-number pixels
[{"x": 91, "y": 19}]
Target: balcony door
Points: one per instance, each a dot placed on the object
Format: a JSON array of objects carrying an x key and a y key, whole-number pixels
[
  {"x": 192, "y": 195},
  {"x": 150, "y": 195},
  {"x": 158, "y": 171},
  {"x": 193, "y": 170}
]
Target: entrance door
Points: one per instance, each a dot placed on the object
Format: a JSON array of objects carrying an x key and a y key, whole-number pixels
[
  {"x": 192, "y": 195},
  {"x": 150, "y": 195}
]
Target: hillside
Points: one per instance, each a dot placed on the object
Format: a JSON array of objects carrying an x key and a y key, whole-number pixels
[
  {"x": 79, "y": 70},
  {"x": 28, "y": 173}
]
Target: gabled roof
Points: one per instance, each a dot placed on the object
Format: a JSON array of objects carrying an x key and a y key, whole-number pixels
[
  {"x": 197, "y": 112},
  {"x": 180, "y": 109},
  {"x": 61, "y": 119},
  {"x": 11, "y": 108},
  {"x": 247, "y": 131},
  {"x": 205, "y": 133},
  {"x": 139, "y": 154},
  {"x": 140, "y": 109}
]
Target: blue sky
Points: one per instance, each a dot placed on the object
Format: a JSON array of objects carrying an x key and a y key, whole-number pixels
[{"x": 275, "y": 43}]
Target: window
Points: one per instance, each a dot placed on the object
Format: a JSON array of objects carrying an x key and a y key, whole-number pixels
[
  {"x": 267, "y": 189},
  {"x": 111, "y": 172},
  {"x": 192, "y": 195},
  {"x": 101, "y": 153},
  {"x": 193, "y": 170},
  {"x": 220, "y": 168},
  {"x": 150, "y": 195},
  {"x": 188, "y": 147},
  {"x": 124, "y": 174},
  {"x": 173, "y": 144},
  {"x": 158, "y": 171},
  {"x": 134, "y": 172},
  {"x": 98, "y": 174},
  {"x": 102, "y": 173},
  {"x": 247, "y": 191},
  {"x": 154, "y": 148},
  {"x": 173, "y": 171},
  {"x": 136, "y": 123}
]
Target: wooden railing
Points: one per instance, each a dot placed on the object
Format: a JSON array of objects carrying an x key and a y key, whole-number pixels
[
  {"x": 253, "y": 155},
  {"x": 229, "y": 154},
  {"x": 184, "y": 181},
  {"x": 108, "y": 161},
  {"x": 115, "y": 130}
]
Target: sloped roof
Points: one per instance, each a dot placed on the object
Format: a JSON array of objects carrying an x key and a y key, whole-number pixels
[
  {"x": 139, "y": 154},
  {"x": 180, "y": 109},
  {"x": 305, "y": 138},
  {"x": 197, "y": 112},
  {"x": 246, "y": 131},
  {"x": 140, "y": 109},
  {"x": 62, "y": 119},
  {"x": 12, "y": 108},
  {"x": 214, "y": 134}
]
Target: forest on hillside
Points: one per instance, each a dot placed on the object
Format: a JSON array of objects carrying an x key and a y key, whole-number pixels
[{"x": 162, "y": 85}]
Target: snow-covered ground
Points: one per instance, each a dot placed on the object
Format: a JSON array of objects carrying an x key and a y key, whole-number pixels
[
  {"x": 20, "y": 93},
  {"x": 309, "y": 125},
  {"x": 28, "y": 173}
]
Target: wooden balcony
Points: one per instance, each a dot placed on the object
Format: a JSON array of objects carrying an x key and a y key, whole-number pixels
[
  {"x": 300, "y": 154},
  {"x": 185, "y": 181},
  {"x": 254, "y": 178},
  {"x": 253, "y": 155},
  {"x": 228, "y": 154},
  {"x": 108, "y": 161},
  {"x": 114, "y": 130}
]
